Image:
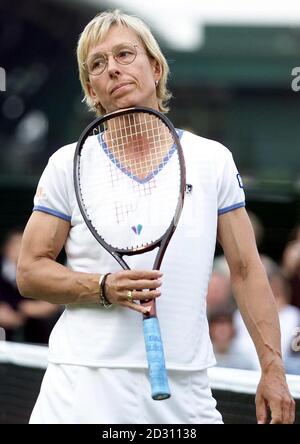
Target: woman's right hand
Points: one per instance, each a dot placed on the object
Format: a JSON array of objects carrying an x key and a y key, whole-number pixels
[{"x": 128, "y": 287}]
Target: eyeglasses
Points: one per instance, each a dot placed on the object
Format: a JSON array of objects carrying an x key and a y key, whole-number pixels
[{"x": 123, "y": 54}]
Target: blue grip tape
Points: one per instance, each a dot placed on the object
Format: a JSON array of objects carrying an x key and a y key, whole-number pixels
[{"x": 156, "y": 360}]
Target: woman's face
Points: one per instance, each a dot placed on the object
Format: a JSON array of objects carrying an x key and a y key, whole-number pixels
[{"x": 123, "y": 86}]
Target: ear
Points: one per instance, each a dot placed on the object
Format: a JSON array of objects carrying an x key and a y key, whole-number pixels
[
  {"x": 157, "y": 70},
  {"x": 91, "y": 92}
]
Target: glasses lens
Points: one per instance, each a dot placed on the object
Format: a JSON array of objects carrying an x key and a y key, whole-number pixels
[
  {"x": 125, "y": 54},
  {"x": 96, "y": 64}
]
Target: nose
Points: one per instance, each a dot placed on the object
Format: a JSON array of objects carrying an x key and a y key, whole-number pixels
[{"x": 112, "y": 65}]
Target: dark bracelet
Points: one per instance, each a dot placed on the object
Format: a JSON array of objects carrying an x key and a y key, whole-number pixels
[{"x": 103, "y": 299}]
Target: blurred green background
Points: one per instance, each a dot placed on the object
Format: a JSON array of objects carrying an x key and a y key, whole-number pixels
[{"x": 235, "y": 88}]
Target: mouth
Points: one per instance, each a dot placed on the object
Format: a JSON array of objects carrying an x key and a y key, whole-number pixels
[{"x": 119, "y": 86}]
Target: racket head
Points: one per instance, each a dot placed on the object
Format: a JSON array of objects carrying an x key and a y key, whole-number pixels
[{"x": 123, "y": 163}]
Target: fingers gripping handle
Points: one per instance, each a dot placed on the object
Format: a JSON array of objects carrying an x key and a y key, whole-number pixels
[{"x": 156, "y": 360}]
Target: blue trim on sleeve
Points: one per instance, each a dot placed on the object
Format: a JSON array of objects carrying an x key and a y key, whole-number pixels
[
  {"x": 232, "y": 207},
  {"x": 53, "y": 212}
]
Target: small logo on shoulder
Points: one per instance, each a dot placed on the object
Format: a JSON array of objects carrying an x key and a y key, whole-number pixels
[
  {"x": 239, "y": 179},
  {"x": 40, "y": 194}
]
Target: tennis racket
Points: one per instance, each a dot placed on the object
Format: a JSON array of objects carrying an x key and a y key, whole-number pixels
[{"x": 129, "y": 179}]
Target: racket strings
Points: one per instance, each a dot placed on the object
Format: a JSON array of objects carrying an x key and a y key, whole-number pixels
[
  {"x": 141, "y": 144},
  {"x": 130, "y": 195}
]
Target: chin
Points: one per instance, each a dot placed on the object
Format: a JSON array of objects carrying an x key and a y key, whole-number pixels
[
  {"x": 131, "y": 103},
  {"x": 118, "y": 106}
]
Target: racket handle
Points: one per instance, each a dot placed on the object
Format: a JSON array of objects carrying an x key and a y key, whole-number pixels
[{"x": 156, "y": 360}]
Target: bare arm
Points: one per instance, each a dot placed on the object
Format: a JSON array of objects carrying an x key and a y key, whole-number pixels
[
  {"x": 39, "y": 276},
  {"x": 257, "y": 306}
]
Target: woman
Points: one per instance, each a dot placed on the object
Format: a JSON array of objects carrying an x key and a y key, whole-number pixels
[{"x": 97, "y": 369}]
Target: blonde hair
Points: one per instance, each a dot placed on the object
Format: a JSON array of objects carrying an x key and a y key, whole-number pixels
[{"x": 96, "y": 29}]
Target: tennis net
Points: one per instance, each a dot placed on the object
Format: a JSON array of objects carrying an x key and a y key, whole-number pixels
[{"x": 22, "y": 367}]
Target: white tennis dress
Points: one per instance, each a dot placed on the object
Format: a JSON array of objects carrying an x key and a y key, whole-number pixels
[{"x": 97, "y": 362}]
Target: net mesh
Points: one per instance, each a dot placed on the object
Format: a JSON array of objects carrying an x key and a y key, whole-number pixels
[{"x": 22, "y": 368}]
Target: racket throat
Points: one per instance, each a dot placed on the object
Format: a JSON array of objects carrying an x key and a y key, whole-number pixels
[{"x": 151, "y": 306}]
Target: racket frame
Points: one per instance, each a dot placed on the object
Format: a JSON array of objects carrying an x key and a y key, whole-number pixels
[{"x": 159, "y": 391}]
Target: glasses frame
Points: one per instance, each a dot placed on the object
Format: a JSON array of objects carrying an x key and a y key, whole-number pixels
[{"x": 134, "y": 46}]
